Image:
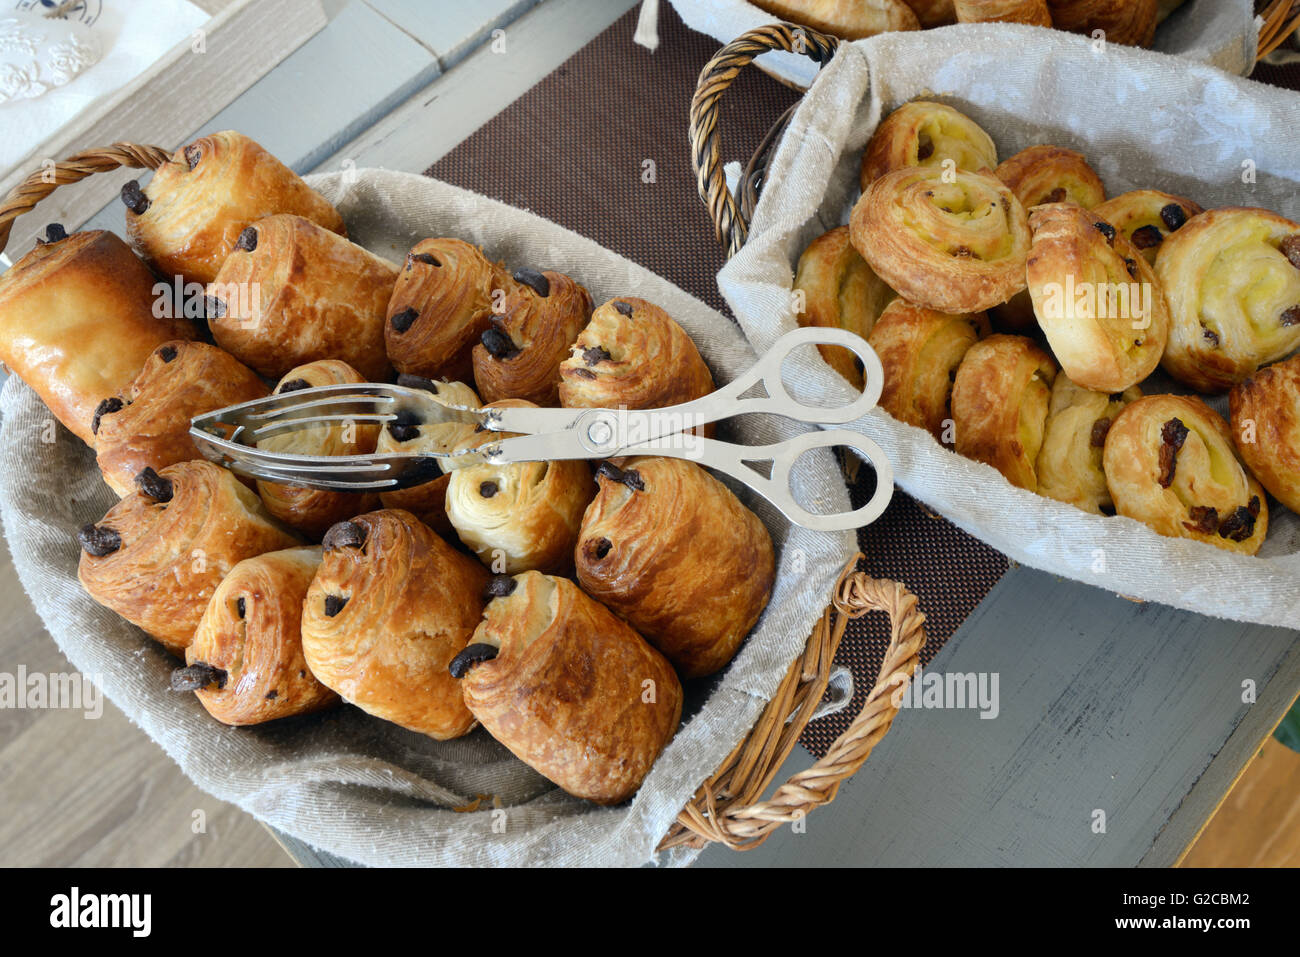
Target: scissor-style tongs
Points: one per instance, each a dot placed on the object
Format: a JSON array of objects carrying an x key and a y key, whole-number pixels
[{"x": 230, "y": 436}]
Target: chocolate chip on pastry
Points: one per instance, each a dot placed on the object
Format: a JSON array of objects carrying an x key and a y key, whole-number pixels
[
  {"x": 570, "y": 688},
  {"x": 191, "y": 214},
  {"x": 1069, "y": 464},
  {"x": 1265, "y": 412},
  {"x": 382, "y": 623},
  {"x": 1146, "y": 217},
  {"x": 926, "y": 134},
  {"x": 693, "y": 585}
]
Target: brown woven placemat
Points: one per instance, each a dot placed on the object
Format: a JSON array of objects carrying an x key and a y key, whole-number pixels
[{"x": 575, "y": 148}]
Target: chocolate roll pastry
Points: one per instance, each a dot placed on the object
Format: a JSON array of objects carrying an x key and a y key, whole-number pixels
[
  {"x": 440, "y": 433},
  {"x": 1146, "y": 218},
  {"x": 443, "y": 302},
  {"x": 920, "y": 351},
  {"x": 922, "y": 133},
  {"x": 1000, "y": 401},
  {"x": 1096, "y": 299},
  {"x": 840, "y": 292},
  {"x": 193, "y": 210},
  {"x": 1050, "y": 174},
  {"x": 847, "y": 19},
  {"x": 77, "y": 322},
  {"x": 313, "y": 510},
  {"x": 1033, "y": 12},
  {"x": 1069, "y": 464},
  {"x": 633, "y": 355},
  {"x": 1170, "y": 464},
  {"x": 570, "y": 689},
  {"x": 671, "y": 549},
  {"x": 291, "y": 292},
  {"x": 1232, "y": 278},
  {"x": 1265, "y": 413},
  {"x": 158, "y": 555},
  {"x": 390, "y": 607},
  {"x": 148, "y": 424},
  {"x": 1130, "y": 22},
  {"x": 246, "y": 663},
  {"x": 954, "y": 243},
  {"x": 519, "y": 356}
]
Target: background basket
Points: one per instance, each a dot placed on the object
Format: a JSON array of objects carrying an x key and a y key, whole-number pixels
[{"x": 728, "y": 807}]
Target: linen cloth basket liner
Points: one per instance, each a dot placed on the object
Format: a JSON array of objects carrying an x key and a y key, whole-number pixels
[
  {"x": 354, "y": 785},
  {"x": 1222, "y": 33},
  {"x": 1143, "y": 120}
]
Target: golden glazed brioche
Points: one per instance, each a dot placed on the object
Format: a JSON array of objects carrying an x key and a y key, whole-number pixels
[{"x": 1130, "y": 22}]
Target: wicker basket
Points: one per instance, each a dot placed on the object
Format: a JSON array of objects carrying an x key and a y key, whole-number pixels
[
  {"x": 728, "y": 807},
  {"x": 731, "y": 213}
]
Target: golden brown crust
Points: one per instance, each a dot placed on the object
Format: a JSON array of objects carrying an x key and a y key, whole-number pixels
[
  {"x": 920, "y": 350},
  {"x": 1051, "y": 174},
  {"x": 840, "y": 292},
  {"x": 1146, "y": 217},
  {"x": 1232, "y": 278},
  {"x": 671, "y": 549},
  {"x": 195, "y": 215},
  {"x": 1033, "y": 12},
  {"x": 652, "y": 363},
  {"x": 933, "y": 13},
  {"x": 573, "y": 692},
  {"x": 1130, "y": 22},
  {"x": 173, "y": 554},
  {"x": 409, "y": 603},
  {"x": 538, "y": 332},
  {"x": 1170, "y": 463},
  {"x": 1265, "y": 411},
  {"x": 1096, "y": 299},
  {"x": 251, "y": 633},
  {"x": 442, "y": 304},
  {"x": 954, "y": 242},
  {"x": 1069, "y": 464},
  {"x": 302, "y": 293},
  {"x": 77, "y": 323},
  {"x": 923, "y": 133},
  {"x": 151, "y": 429},
  {"x": 313, "y": 510},
  {"x": 999, "y": 405},
  {"x": 847, "y": 19}
]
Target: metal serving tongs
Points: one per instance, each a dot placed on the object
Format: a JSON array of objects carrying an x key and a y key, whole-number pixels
[{"x": 229, "y": 436}]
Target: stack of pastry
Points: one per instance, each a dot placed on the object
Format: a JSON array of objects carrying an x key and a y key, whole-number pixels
[
  {"x": 547, "y": 601},
  {"x": 1032, "y": 311}
]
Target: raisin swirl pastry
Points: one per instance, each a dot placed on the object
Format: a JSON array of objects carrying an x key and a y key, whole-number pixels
[
  {"x": 519, "y": 356},
  {"x": 520, "y": 516},
  {"x": 926, "y": 134},
  {"x": 847, "y": 19},
  {"x": 1130, "y": 22},
  {"x": 569, "y": 688},
  {"x": 1097, "y": 300},
  {"x": 194, "y": 208},
  {"x": 443, "y": 302},
  {"x": 148, "y": 424},
  {"x": 158, "y": 555},
  {"x": 390, "y": 607},
  {"x": 441, "y": 433},
  {"x": 1265, "y": 411},
  {"x": 921, "y": 350},
  {"x": 633, "y": 355},
  {"x": 77, "y": 322},
  {"x": 955, "y": 246},
  {"x": 1069, "y": 465},
  {"x": 1051, "y": 174},
  {"x": 1146, "y": 217},
  {"x": 312, "y": 510},
  {"x": 246, "y": 663},
  {"x": 670, "y": 549},
  {"x": 1033, "y": 12},
  {"x": 840, "y": 292},
  {"x": 1000, "y": 401},
  {"x": 291, "y": 292},
  {"x": 1232, "y": 277},
  {"x": 1170, "y": 464}
]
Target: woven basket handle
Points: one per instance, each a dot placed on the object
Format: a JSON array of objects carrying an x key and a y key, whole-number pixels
[
  {"x": 40, "y": 183},
  {"x": 729, "y": 222},
  {"x": 726, "y": 809}
]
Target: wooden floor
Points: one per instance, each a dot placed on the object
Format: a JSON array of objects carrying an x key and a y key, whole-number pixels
[{"x": 1258, "y": 824}]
